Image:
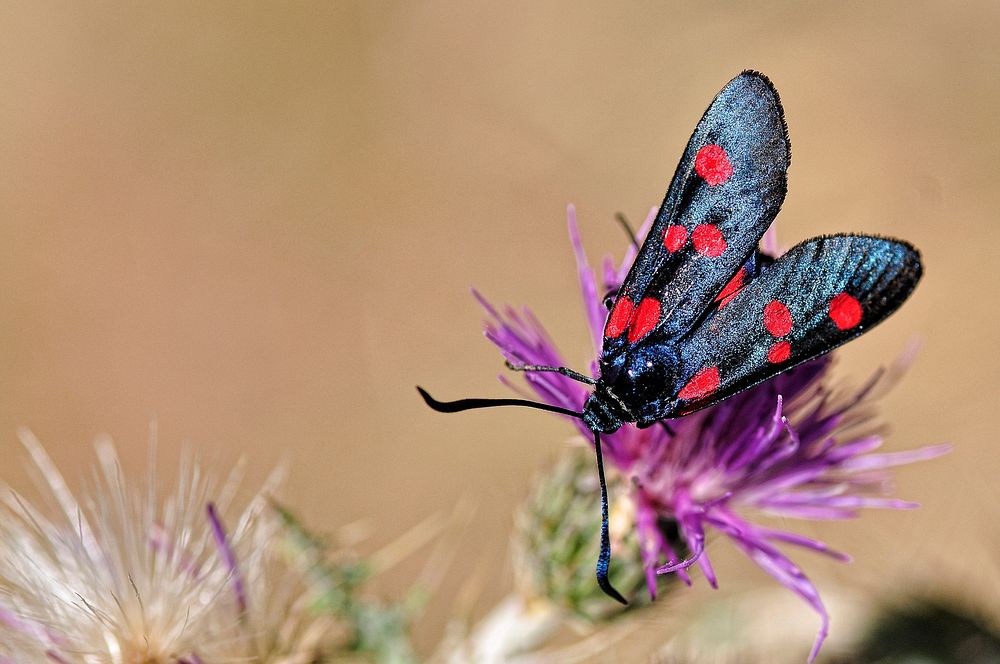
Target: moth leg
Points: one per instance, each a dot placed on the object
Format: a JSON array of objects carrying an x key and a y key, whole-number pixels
[
  {"x": 667, "y": 428},
  {"x": 569, "y": 373},
  {"x": 627, "y": 227}
]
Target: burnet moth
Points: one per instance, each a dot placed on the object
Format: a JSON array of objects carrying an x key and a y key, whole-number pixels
[{"x": 703, "y": 314}]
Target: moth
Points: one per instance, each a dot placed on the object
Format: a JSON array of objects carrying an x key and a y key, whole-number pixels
[{"x": 703, "y": 314}]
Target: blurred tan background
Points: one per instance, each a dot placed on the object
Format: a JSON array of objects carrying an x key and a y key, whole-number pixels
[{"x": 258, "y": 224}]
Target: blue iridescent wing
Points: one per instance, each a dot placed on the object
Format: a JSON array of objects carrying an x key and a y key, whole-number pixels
[
  {"x": 727, "y": 189},
  {"x": 819, "y": 295}
]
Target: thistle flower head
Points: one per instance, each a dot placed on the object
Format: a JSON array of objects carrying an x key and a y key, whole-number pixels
[
  {"x": 790, "y": 447},
  {"x": 123, "y": 575}
]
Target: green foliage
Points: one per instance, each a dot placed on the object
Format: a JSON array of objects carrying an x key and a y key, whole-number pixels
[{"x": 376, "y": 631}]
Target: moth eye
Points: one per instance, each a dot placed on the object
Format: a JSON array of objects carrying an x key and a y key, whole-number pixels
[{"x": 609, "y": 299}]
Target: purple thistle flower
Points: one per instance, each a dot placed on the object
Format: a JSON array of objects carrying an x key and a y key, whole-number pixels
[{"x": 789, "y": 447}]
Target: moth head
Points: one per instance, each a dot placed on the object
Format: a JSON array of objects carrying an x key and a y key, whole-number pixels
[{"x": 603, "y": 411}]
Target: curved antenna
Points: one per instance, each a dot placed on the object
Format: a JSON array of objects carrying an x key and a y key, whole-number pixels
[
  {"x": 470, "y": 404},
  {"x": 604, "y": 559}
]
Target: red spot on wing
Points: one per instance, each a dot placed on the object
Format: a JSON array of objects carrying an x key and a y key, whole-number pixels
[
  {"x": 620, "y": 315},
  {"x": 779, "y": 352},
  {"x": 713, "y": 165},
  {"x": 647, "y": 315},
  {"x": 708, "y": 240},
  {"x": 777, "y": 318},
  {"x": 730, "y": 290},
  {"x": 845, "y": 311},
  {"x": 675, "y": 237},
  {"x": 701, "y": 384}
]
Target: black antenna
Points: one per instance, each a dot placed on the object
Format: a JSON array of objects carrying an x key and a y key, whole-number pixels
[
  {"x": 470, "y": 404},
  {"x": 604, "y": 560}
]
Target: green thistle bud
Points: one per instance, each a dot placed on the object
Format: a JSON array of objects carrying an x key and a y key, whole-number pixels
[{"x": 557, "y": 537}]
